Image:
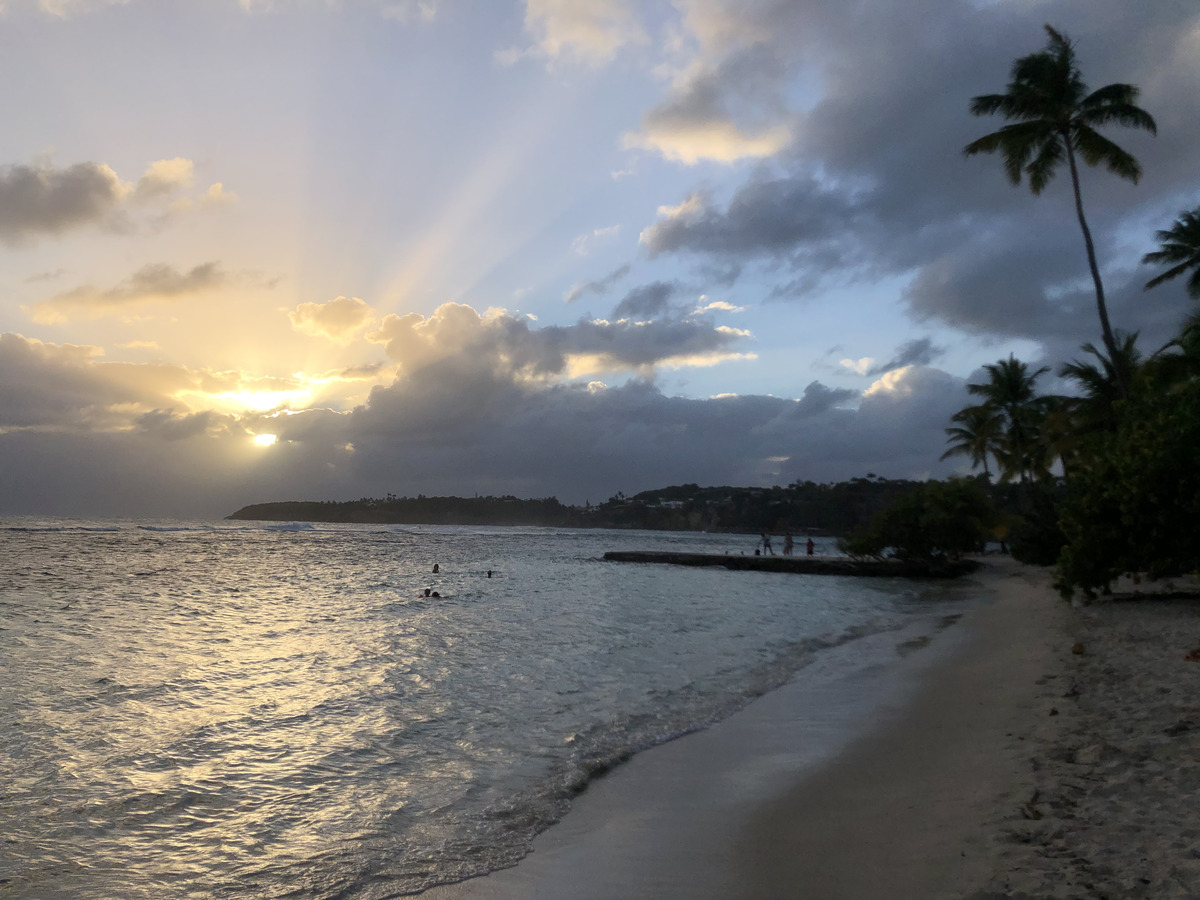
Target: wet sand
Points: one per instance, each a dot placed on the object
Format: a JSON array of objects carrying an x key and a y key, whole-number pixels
[{"x": 991, "y": 761}]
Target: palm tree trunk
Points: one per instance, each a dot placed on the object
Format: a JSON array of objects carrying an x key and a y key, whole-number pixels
[{"x": 1110, "y": 342}]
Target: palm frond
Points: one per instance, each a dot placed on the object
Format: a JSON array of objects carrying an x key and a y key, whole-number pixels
[
  {"x": 1043, "y": 166},
  {"x": 986, "y": 104},
  {"x": 1116, "y": 104},
  {"x": 1179, "y": 244},
  {"x": 1096, "y": 149}
]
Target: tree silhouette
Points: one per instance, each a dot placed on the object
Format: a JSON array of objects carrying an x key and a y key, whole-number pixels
[
  {"x": 1055, "y": 119},
  {"x": 1179, "y": 247},
  {"x": 976, "y": 434},
  {"x": 1010, "y": 393}
]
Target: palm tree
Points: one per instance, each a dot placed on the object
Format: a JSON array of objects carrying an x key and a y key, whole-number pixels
[
  {"x": 1056, "y": 119},
  {"x": 976, "y": 435},
  {"x": 1010, "y": 393},
  {"x": 1179, "y": 244},
  {"x": 1101, "y": 383}
]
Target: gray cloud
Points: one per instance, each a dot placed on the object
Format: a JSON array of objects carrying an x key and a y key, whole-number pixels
[
  {"x": 155, "y": 281},
  {"x": 170, "y": 425},
  {"x": 46, "y": 201},
  {"x": 599, "y": 286},
  {"x": 874, "y": 184},
  {"x": 447, "y": 425},
  {"x": 458, "y": 342},
  {"x": 917, "y": 352},
  {"x": 58, "y": 386},
  {"x": 647, "y": 301}
]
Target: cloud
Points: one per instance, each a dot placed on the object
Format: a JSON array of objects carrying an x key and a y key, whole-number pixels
[
  {"x": 462, "y": 346},
  {"x": 46, "y": 201},
  {"x": 646, "y": 302},
  {"x": 88, "y": 436},
  {"x": 793, "y": 219},
  {"x": 858, "y": 366},
  {"x": 726, "y": 113},
  {"x": 872, "y": 184},
  {"x": 600, "y": 286},
  {"x": 591, "y": 31},
  {"x": 584, "y": 243},
  {"x": 157, "y": 281},
  {"x": 170, "y": 425},
  {"x": 41, "y": 200},
  {"x": 718, "y": 306},
  {"x": 339, "y": 320},
  {"x": 164, "y": 178},
  {"x": 917, "y": 352},
  {"x": 728, "y": 86},
  {"x": 60, "y": 386}
]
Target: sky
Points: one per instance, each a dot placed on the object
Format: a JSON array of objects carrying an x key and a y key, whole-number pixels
[{"x": 256, "y": 250}]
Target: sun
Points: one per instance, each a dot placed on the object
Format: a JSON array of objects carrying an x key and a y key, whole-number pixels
[{"x": 264, "y": 440}]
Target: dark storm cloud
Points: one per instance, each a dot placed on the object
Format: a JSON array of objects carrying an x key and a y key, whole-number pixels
[
  {"x": 52, "y": 385},
  {"x": 47, "y": 201},
  {"x": 820, "y": 399},
  {"x": 875, "y": 185},
  {"x": 592, "y": 442}
]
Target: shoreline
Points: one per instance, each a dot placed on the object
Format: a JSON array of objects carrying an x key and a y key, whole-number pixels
[
  {"x": 993, "y": 762},
  {"x": 803, "y": 564}
]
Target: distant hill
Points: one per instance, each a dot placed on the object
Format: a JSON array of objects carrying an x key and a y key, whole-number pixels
[{"x": 800, "y": 507}]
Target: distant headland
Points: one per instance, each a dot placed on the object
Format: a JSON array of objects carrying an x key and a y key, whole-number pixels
[{"x": 801, "y": 507}]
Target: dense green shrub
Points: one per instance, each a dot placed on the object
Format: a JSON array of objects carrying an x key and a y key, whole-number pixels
[
  {"x": 1134, "y": 508},
  {"x": 1036, "y": 537},
  {"x": 934, "y": 520}
]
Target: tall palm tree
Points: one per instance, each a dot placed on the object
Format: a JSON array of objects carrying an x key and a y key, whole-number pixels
[
  {"x": 1100, "y": 382},
  {"x": 1179, "y": 245},
  {"x": 1056, "y": 119},
  {"x": 975, "y": 436},
  {"x": 1010, "y": 392}
]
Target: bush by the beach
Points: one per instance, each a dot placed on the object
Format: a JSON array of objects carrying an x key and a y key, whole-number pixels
[
  {"x": 1134, "y": 508},
  {"x": 1036, "y": 537},
  {"x": 932, "y": 521}
]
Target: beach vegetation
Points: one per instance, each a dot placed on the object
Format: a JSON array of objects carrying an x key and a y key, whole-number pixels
[
  {"x": 975, "y": 434},
  {"x": 1133, "y": 509},
  {"x": 1009, "y": 420},
  {"x": 1054, "y": 119},
  {"x": 1129, "y": 493},
  {"x": 932, "y": 521}
]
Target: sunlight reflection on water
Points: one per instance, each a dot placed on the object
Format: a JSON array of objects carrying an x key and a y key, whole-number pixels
[{"x": 244, "y": 712}]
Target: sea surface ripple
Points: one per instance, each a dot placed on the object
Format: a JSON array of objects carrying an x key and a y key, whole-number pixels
[{"x": 269, "y": 711}]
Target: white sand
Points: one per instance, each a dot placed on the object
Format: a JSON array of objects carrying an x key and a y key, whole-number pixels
[{"x": 968, "y": 786}]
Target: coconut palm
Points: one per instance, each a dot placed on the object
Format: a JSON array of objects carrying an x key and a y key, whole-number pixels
[
  {"x": 1100, "y": 381},
  {"x": 1055, "y": 120},
  {"x": 1179, "y": 247},
  {"x": 1010, "y": 392},
  {"x": 975, "y": 436}
]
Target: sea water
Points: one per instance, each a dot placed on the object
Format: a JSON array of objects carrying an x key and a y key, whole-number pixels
[{"x": 257, "y": 710}]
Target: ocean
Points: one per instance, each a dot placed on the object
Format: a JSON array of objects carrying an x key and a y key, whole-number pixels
[{"x": 261, "y": 710}]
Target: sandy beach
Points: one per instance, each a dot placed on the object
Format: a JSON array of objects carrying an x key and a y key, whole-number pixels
[{"x": 1028, "y": 750}]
